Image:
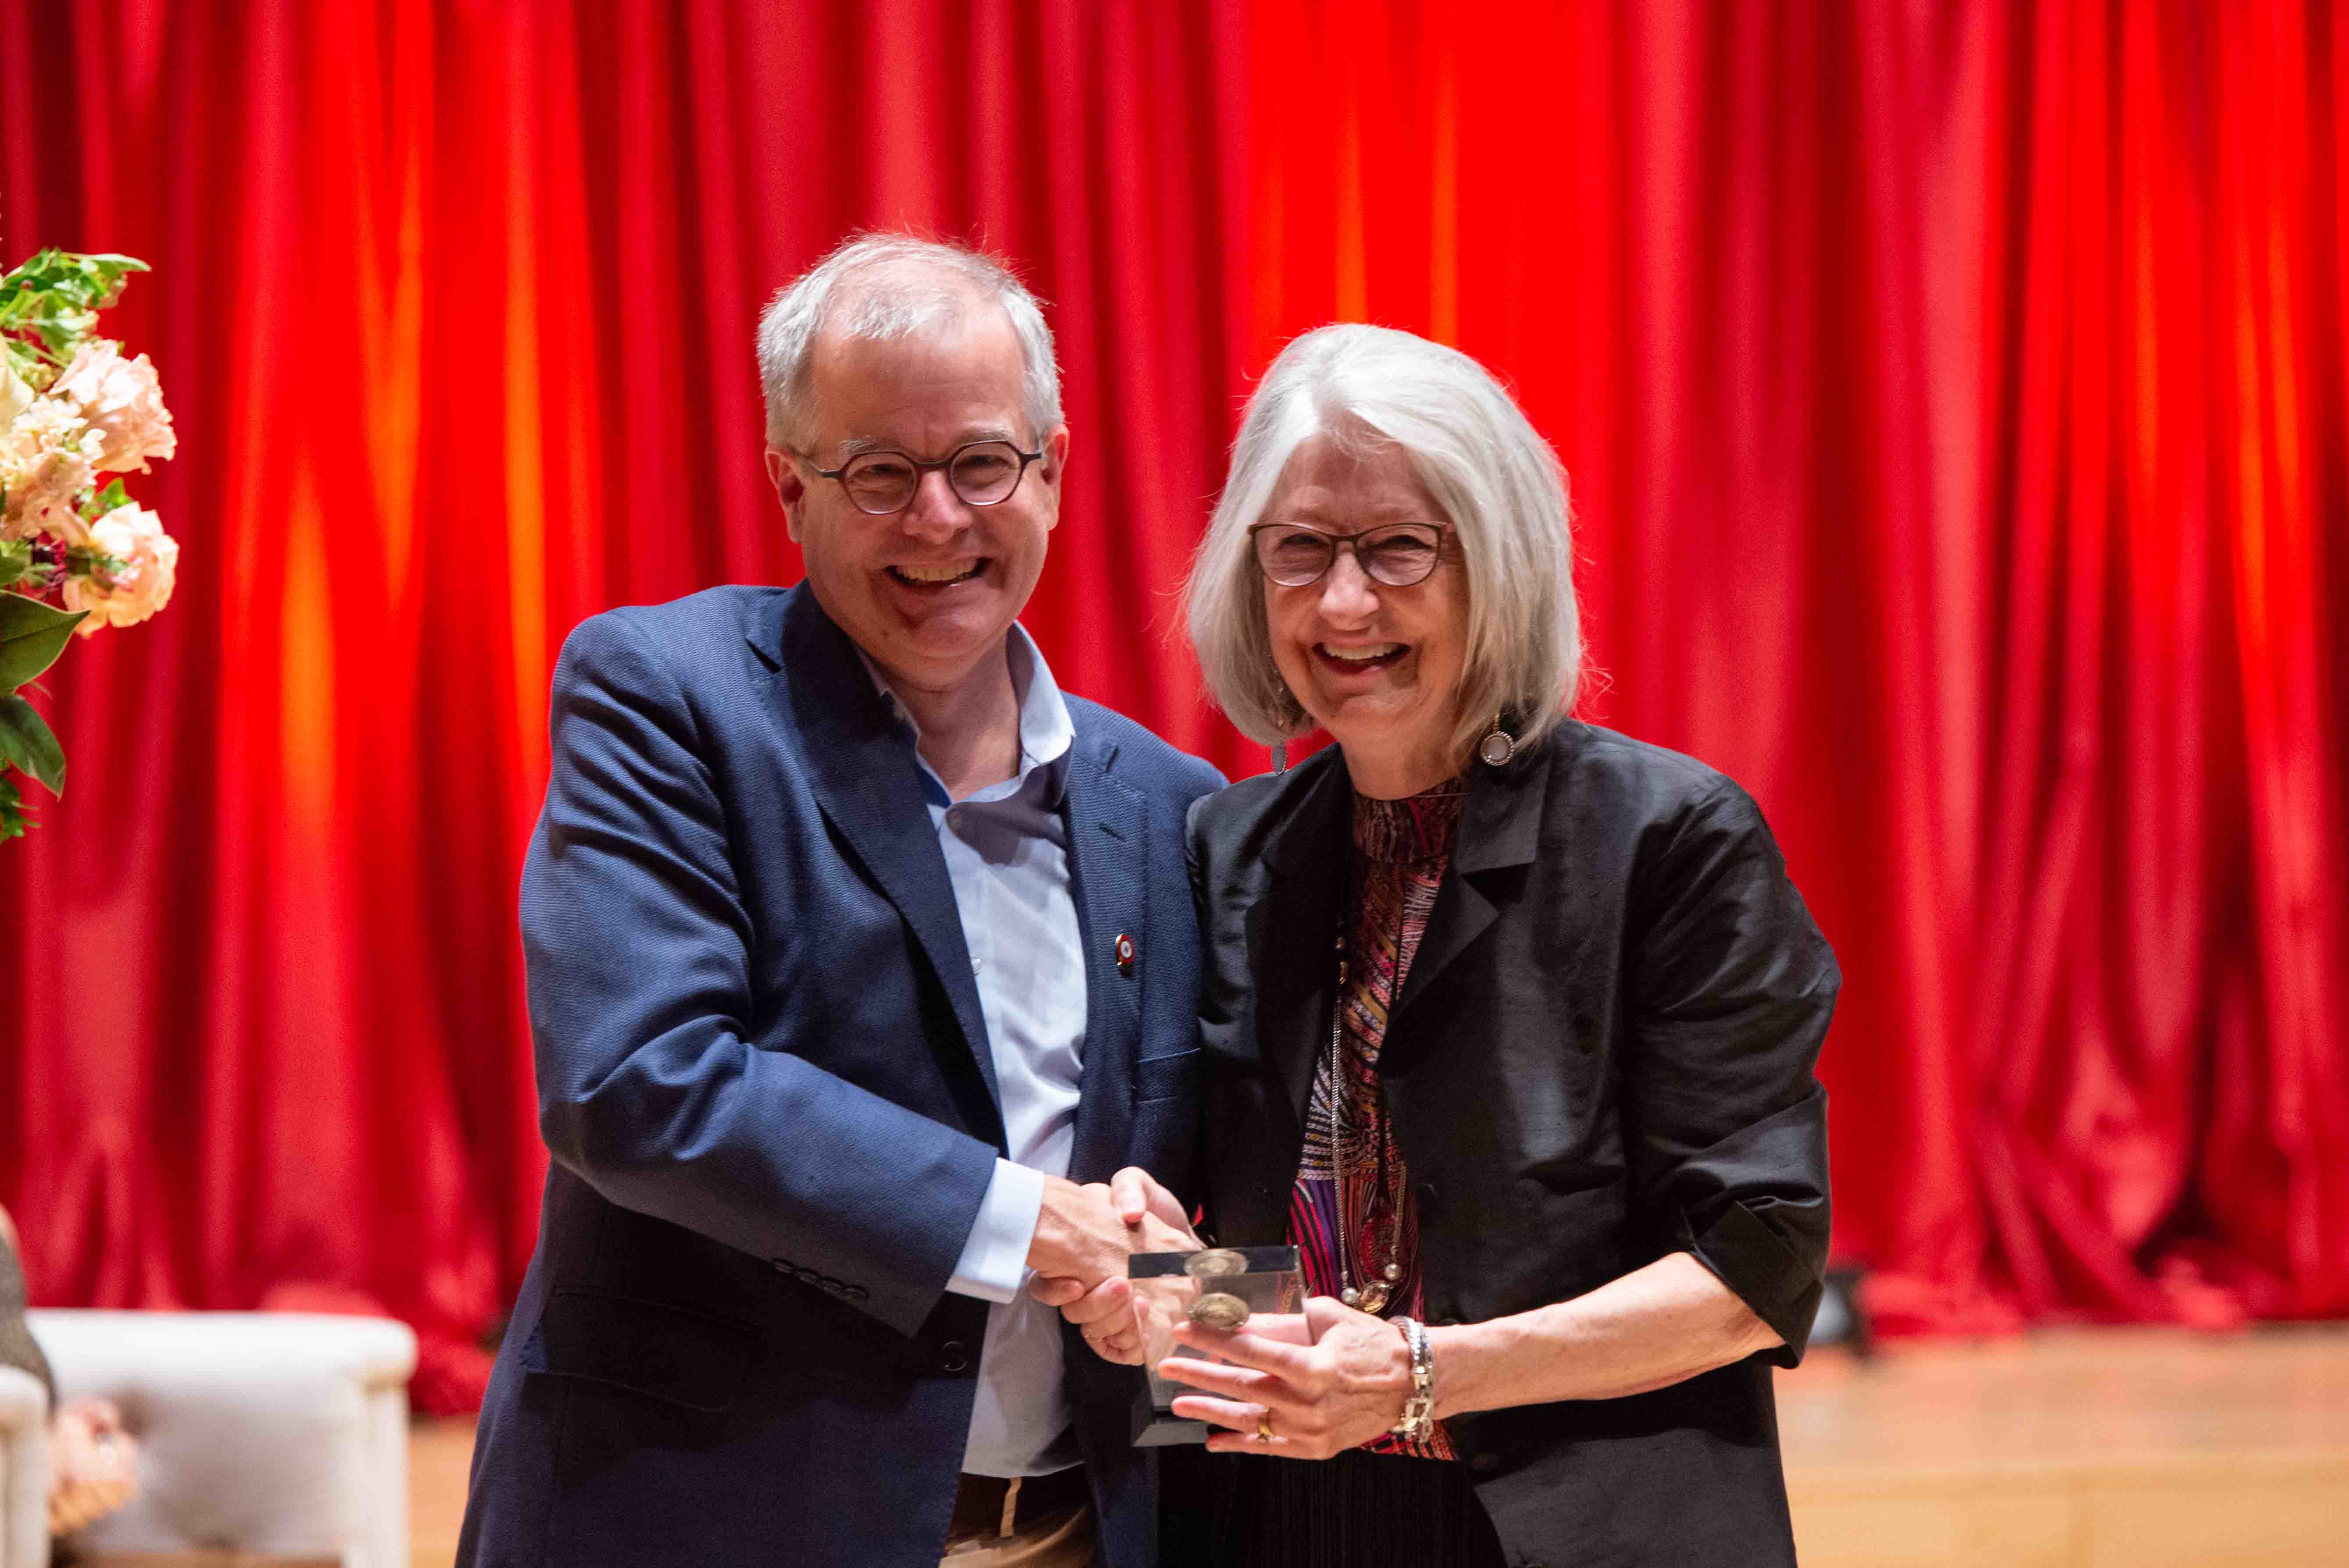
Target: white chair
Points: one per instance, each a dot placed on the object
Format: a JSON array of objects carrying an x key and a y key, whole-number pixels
[{"x": 263, "y": 1434}]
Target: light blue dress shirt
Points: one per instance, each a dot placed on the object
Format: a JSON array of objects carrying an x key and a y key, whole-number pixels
[{"x": 1007, "y": 853}]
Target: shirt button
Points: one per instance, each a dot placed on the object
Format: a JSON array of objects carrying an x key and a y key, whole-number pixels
[{"x": 974, "y": 965}]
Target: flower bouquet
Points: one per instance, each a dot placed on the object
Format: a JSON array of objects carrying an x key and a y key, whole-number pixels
[{"x": 73, "y": 553}]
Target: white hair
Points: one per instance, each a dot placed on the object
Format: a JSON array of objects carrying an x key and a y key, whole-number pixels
[
  {"x": 882, "y": 286},
  {"x": 1499, "y": 482}
]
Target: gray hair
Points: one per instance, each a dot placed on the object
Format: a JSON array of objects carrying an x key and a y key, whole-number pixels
[
  {"x": 890, "y": 286},
  {"x": 1500, "y": 485}
]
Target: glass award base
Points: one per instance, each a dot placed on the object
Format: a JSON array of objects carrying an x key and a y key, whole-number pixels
[{"x": 1217, "y": 1287}]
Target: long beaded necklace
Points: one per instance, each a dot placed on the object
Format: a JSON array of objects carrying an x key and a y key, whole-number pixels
[{"x": 1371, "y": 1293}]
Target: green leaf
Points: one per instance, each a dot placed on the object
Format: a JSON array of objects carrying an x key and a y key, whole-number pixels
[
  {"x": 16, "y": 559},
  {"x": 32, "y": 635},
  {"x": 90, "y": 561},
  {"x": 27, "y": 745},
  {"x": 56, "y": 297},
  {"x": 31, "y": 365},
  {"x": 13, "y": 821}
]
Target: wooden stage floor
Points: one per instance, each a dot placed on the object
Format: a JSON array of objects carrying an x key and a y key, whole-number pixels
[{"x": 2080, "y": 1448}]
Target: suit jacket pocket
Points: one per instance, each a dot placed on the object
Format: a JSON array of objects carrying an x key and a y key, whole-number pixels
[{"x": 666, "y": 1352}]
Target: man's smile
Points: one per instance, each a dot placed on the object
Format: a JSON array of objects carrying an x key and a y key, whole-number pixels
[{"x": 943, "y": 576}]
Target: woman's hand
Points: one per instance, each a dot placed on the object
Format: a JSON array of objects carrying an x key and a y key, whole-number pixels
[{"x": 1345, "y": 1387}]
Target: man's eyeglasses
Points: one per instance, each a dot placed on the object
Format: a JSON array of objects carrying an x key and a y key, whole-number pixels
[
  {"x": 983, "y": 473},
  {"x": 1398, "y": 554}
]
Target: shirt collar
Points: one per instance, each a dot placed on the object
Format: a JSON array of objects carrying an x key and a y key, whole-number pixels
[{"x": 1047, "y": 733}]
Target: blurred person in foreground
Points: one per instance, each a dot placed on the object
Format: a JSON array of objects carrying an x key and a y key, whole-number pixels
[
  {"x": 1509, "y": 1024},
  {"x": 855, "y": 948}
]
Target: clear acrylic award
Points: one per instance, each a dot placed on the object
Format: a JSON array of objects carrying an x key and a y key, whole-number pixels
[{"x": 1215, "y": 1287}]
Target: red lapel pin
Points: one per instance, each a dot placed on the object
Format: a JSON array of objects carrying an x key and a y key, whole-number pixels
[{"x": 1125, "y": 954}]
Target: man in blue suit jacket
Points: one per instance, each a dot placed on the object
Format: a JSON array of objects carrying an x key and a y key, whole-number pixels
[{"x": 857, "y": 955}]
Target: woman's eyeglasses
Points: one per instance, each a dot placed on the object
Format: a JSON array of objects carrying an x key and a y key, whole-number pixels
[{"x": 1397, "y": 554}]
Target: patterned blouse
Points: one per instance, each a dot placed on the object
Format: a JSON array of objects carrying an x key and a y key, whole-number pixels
[{"x": 1363, "y": 1233}]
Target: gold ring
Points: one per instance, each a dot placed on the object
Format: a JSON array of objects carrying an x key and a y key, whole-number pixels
[{"x": 1264, "y": 1428}]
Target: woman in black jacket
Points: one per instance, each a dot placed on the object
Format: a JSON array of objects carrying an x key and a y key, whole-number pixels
[{"x": 1508, "y": 1023}]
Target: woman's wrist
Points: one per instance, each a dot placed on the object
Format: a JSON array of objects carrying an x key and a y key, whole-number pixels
[
  {"x": 1417, "y": 1420},
  {"x": 1454, "y": 1352}
]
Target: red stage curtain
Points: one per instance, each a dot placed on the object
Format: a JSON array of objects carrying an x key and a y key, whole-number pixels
[{"x": 1954, "y": 398}]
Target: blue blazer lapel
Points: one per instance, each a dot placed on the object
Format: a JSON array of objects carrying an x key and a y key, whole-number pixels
[
  {"x": 1108, "y": 862},
  {"x": 869, "y": 786}
]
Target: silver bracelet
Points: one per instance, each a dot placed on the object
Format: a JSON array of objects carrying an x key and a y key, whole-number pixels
[{"x": 1418, "y": 1423}]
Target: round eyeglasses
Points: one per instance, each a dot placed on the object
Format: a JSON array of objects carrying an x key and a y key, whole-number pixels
[
  {"x": 1397, "y": 554},
  {"x": 982, "y": 473}
]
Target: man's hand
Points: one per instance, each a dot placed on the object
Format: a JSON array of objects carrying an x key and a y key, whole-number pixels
[
  {"x": 1152, "y": 1221},
  {"x": 1078, "y": 1235}
]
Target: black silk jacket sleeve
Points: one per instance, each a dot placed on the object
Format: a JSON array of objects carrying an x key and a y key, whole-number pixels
[{"x": 1727, "y": 990}]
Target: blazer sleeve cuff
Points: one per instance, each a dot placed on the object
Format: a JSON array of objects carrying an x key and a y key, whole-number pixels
[{"x": 1763, "y": 1272}]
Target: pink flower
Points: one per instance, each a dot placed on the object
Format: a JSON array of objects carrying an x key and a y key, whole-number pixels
[
  {"x": 151, "y": 561},
  {"x": 121, "y": 400},
  {"x": 46, "y": 458}
]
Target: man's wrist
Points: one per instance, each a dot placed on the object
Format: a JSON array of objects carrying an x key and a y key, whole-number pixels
[
  {"x": 995, "y": 1254},
  {"x": 1068, "y": 1243}
]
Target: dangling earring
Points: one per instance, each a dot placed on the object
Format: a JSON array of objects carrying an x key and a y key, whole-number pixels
[{"x": 1496, "y": 749}]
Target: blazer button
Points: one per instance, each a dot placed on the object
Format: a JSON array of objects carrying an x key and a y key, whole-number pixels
[
  {"x": 1484, "y": 1463},
  {"x": 953, "y": 1356},
  {"x": 1430, "y": 1198}
]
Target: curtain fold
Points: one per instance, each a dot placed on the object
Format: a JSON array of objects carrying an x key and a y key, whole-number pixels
[{"x": 1954, "y": 399}]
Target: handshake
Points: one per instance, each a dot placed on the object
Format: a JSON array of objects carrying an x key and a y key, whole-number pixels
[{"x": 1083, "y": 1236}]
